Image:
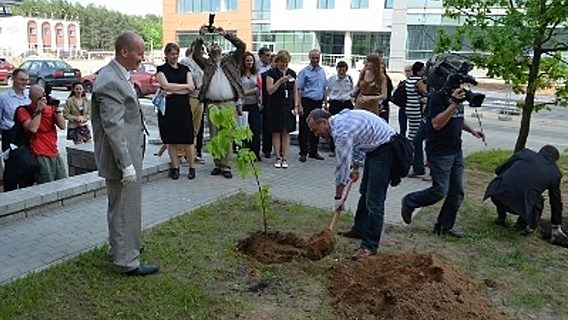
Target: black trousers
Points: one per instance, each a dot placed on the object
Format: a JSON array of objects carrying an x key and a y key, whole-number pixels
[
  {"x": 385, "y": 111},
  {"x": 335, "y": 107},
  {"x": 199, "y": 142},
  {"x": 266, "y": 132},
  {"x": 254, "y": 122},
  {"x": 532, "y": 220},
  {"x": 307, "y": 139}
]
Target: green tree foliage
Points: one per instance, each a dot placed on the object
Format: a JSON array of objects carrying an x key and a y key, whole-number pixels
[
  {"x": 99, "y": 26},
  {"x": 521, "y": 41},
  {"x": 230, "y": 133}
]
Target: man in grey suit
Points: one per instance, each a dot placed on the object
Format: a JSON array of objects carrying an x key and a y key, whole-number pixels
[{"x": 118, "y": 130}]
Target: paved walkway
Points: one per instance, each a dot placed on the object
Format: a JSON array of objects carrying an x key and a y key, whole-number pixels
[{"x": 38, "y": 242}]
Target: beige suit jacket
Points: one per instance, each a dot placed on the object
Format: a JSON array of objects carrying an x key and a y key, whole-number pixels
[{"x": 117, "y": 123}]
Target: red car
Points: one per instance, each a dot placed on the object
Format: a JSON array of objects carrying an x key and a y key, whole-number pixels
[
  {"x": 6, "y": 69},
  {"x": 144, "y": 80}
]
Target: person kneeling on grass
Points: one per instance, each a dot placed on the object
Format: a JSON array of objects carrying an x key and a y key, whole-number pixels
[{"x": 518, "y": 189}]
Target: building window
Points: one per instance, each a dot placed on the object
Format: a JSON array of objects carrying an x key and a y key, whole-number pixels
[
  {"x": 32, "y": 31},
  {"x": 184, "y": 6},
  {"x": 46, "y": 31},
  {"x": 59, "y": 32},
  {"x": 294, "y": 4},
  {"x": 261, "y": 10},
  {"x": 388, "y": 4},
  {"x": 185, "y": 38},
  {"x": 71, "y": 33},
  {"x": 326, "y": 4},
  {"x": 359, "y": 4},
  {"x": 421, "y": 41}
]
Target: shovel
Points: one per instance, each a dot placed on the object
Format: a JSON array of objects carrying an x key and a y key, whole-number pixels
[{"x": 338, "y": 211}]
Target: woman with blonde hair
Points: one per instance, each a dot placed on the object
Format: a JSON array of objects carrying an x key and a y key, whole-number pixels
[
  {"x": 281, "y": 88},
  {"x": 371, "y": 88}
]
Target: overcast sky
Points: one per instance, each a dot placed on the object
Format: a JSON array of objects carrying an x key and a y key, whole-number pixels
[{"x": 135, "y": 7}]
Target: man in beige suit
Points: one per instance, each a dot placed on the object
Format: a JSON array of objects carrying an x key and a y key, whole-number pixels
[{"x": 119, "y": 147}]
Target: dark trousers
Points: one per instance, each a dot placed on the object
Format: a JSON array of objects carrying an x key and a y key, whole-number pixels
[
  {"x": 335, "y": 107},
  {"x": 385, "y": 111},
  {"x": 370, "y": 215},
  {"x": 266, "y": 133},
  {"x": 199, "y": 142},
  {"x": 402, "y": 121},
  {"x": 531, "y": 220},
  {"x": 447, "y": 182},
  {"x": 254, "y": 122},
  {"x": 307, "y": 139},
  {"x": 418, "y": 141}
]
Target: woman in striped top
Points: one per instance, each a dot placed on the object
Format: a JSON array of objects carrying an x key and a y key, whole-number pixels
[{"x": 415, "y": 90}]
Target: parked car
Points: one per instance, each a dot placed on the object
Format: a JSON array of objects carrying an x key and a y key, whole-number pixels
[
  {"x": 56, "y": 73},
  {"x": 5, "y": 70},
  {"x": 144, "y": 80}
]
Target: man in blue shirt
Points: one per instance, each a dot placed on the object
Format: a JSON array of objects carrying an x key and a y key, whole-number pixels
[
  {"x": 444, "y": 125},
  {"x": 9, "y": 101},
  {"x": 311, "y": 94},
  {"x": 361, "y": 139}
]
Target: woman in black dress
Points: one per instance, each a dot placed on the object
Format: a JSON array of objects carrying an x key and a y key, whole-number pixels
[
  {"x": 281, "y": 87},
  {"x": 175, "y": 124}
]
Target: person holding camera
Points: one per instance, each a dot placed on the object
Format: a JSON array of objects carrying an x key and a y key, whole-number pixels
[
  {"x": 221, "y": 81},
  {"x": 444, "y": 124},
  {"x": 41, "y": 125}
]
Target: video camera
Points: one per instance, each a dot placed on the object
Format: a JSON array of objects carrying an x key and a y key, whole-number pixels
[
  {"x": 50, "y": 100},
  {"x": 446, "y": 72}
]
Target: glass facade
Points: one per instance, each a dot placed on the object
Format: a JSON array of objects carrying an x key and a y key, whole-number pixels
[
  {"x": 293, "y": 41},
  {"x": 421, "y": 40},
  {"x": 261, "y": 10},
  {"x": 389, "y": 4},
  {"x": 364, "y": 43},
  {"x": 187, "y": 6},
  {"x": 294, "y": 4},
  {"x": 332, "y": 42},
  {"x": 359, "y": 4},
  {"x": 185, "y": 38},
  {"x": 326, "y": 4}
]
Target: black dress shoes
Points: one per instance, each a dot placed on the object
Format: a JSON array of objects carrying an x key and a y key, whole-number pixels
[
  {"x": 316, "y": 156},
  {"x": 216, "y": 172},
  {"x": 227, "y": 174},
  {"x": 350, "y": 234},
  {"x": 174, "y": 173},
  {"x": 447, "y": 232},
  {"x": 191, "y": 174},
  {"x": 144, "y": 270}
]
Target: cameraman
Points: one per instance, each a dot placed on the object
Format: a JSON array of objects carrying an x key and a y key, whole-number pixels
[{"x": 444, "y": 123}]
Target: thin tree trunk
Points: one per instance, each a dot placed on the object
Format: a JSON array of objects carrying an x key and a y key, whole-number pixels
[{"x": 528, "y": 106}]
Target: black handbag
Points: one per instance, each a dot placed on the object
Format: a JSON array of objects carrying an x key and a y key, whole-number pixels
[{"x": 21, "y": 163}]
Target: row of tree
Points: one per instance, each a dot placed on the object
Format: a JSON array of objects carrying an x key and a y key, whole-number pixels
[{"x": 99, "y": 26}]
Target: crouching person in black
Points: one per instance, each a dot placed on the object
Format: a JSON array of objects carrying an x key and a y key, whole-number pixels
[{"x": 518, "y": 189}]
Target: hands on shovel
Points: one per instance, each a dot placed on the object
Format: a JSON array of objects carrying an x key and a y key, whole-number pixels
[{"x": 339, "y": 203}]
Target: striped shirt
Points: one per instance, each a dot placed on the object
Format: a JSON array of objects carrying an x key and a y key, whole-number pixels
[
  {"x": 356, "y": 132},
  {"x": 413, "y": 109}
]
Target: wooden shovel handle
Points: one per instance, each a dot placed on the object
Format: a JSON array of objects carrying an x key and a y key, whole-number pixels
[{"x": 338, "y": 211}]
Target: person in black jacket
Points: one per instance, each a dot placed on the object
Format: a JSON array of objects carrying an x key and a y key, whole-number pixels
[{"x": 518, "y": 189}]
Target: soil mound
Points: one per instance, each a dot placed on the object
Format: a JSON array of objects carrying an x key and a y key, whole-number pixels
[
  {"x": 277, "y": 247},
  {"x": 402, "y": 287}
]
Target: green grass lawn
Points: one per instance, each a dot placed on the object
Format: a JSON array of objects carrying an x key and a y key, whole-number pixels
[{"x": 204, "y": 277}]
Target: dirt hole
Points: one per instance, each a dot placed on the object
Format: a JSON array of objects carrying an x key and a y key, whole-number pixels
[{"x": 278, "y": 247}]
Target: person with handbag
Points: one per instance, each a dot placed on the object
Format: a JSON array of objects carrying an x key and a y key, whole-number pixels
[
  {"x": 41, "y": 125},
  {"x": 77, "y": 112},
  {"x": 10, "y": 100}
]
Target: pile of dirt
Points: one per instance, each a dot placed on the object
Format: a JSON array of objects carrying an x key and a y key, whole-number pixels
[
  {"x": 407, "y": 287},
  {"x": 277, "y": 247}
]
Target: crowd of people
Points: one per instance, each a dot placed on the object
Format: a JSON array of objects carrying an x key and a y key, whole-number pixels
[{"x": 352, "y": 113}]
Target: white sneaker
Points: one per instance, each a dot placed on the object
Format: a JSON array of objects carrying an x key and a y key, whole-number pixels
[
  {"x": 278, "y": 163},
  {"x": 284, "y": 164}
]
